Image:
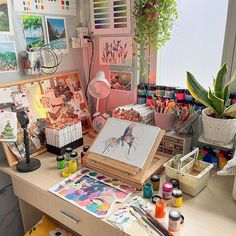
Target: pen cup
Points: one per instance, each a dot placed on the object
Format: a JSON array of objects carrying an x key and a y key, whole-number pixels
[{"x": 164, "y": 121}]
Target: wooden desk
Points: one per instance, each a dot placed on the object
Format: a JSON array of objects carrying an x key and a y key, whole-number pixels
[{"x": 211, "y": 212}]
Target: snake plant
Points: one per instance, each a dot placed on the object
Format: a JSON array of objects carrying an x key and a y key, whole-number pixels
[{"x": 218, "y": 98}]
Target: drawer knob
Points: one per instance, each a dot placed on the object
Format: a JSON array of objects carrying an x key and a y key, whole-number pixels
[{"x": 76, "y": 220}]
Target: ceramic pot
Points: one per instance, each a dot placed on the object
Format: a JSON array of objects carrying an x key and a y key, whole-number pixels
[{"x": 221, "y": 131}]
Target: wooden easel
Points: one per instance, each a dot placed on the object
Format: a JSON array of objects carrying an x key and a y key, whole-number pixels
[{"x": 124, "y": 172}]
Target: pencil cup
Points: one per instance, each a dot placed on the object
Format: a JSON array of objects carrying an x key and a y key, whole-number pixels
[{"x": 164, "y": 120}]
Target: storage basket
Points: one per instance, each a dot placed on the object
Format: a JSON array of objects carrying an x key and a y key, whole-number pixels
[{"x": 193, "y": 176}]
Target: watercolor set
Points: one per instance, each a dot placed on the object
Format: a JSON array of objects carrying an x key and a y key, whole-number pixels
[{"x": 93, "y": 192}]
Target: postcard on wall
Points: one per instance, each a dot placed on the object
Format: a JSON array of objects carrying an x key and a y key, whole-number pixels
[
  {"x": 20, "y": 101},
  {"x": 115, "y": 51},
  {"x": 57, "y": 34},
  {"x": 8, "y": 126},
  {"x": 126, "y": 141},
  {"x": 8, "y": 58},
  {"x": 5, "y": 17},
  {"x": 5, "y": 98},
  {"x": 33, "y": 94},
  {"x": 33, "y": 31},
  {"x": 120, "y": 80}
]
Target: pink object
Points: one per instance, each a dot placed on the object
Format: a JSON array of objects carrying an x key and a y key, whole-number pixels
[
  {"x": 164, "y": 120},
  {"x": 150, "y": 101},
  {"x": 167, "y": 190}
]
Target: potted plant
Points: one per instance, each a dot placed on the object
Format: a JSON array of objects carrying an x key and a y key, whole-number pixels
[
  {"x": 219, "y": 119},
  {"x": 154, "y": 20}
]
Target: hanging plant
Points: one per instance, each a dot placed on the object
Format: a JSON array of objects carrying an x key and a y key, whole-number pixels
[{"x": 154, "y": 20}]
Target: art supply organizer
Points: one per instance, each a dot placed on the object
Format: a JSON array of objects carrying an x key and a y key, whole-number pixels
[{"x": 193, "y": 176}]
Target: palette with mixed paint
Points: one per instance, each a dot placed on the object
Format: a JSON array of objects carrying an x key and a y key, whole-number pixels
[{"x": 92, "y": 191}]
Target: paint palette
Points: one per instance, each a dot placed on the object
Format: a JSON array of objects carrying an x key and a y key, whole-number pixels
[{"x": 92, "y": 191}]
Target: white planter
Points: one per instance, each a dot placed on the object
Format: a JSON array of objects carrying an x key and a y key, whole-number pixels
[{"x": 218, "y": 130}]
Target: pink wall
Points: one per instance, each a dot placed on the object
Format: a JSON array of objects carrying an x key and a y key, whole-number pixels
[{"x": 116, "y": 98}]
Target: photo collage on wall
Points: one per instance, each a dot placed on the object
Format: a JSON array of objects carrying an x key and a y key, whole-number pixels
[
  {"x": 38, "y": 30},
  {"x": 56, "y": 100}
]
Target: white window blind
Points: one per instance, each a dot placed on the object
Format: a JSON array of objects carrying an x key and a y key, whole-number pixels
[
  {"x": 196, "y": 43},
  {"x": 110, "y": 16}
]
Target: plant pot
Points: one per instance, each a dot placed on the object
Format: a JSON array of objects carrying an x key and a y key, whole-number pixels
[
  {"x": 164, "y": 120},
  {"x": 221, "y": 131}
]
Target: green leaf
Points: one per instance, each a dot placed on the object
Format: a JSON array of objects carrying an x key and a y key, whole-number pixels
[
  {"x": 197, "y": 91},
  {"x": 217, "y": 103},
  {"x": 226, "y": 94},
  {"x": 231, "y": 110},
  {"x": 220, "y": 82}
]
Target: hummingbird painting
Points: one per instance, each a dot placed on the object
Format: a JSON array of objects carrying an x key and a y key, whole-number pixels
[{"x": 127, "y": 138}]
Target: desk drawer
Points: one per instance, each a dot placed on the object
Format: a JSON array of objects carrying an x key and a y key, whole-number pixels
[{"x": 71, "y": 216}]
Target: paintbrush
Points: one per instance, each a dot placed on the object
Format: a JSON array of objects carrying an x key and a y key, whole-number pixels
[
  {"x": 139, "y": 220},
  {"x": 144, "y": 218},
  {"x": 156, "y": 223}
]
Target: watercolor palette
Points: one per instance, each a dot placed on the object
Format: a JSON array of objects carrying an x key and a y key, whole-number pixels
[{"x": 92, "y": 191}]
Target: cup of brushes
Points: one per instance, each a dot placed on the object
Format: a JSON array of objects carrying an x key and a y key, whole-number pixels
[{"x": 164, "y": 115}]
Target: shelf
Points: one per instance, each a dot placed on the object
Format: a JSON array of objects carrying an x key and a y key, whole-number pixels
[{"x": 203, "y": 140}]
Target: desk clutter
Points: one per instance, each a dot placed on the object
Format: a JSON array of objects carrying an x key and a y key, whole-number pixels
[
  {"x": 50, "y": 102},
  {"x": 66, "y": 133},
  {"x": 92, "y": 191}
]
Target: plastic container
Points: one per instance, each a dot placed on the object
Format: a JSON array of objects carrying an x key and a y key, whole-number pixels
[{"x": 193, "y": 177}]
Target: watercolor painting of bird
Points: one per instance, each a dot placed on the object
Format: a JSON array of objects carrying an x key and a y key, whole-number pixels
[{"x": 126, "y": 140}]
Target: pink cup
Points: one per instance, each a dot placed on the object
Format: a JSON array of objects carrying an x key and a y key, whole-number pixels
[{"x": 164, "y": 120}]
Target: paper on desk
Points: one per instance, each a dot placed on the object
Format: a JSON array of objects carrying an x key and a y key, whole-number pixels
[{"x": 122, "y": 217}]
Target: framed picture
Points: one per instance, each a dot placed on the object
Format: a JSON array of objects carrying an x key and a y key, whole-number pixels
[
  {"x": 8, "y": 59},
  {"x": 57, "y": 34},
  {"x": 120, "y": 80},
  {"x": 115, "y": 51},
  {"x": 126, "y": 141},
  {"x": 33, "y": 30},
  {"x": 5, "y": 18}
]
